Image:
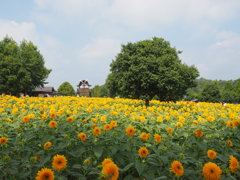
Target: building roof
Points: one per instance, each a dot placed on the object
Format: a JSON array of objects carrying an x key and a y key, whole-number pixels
[{"x": 44, "y": 89}]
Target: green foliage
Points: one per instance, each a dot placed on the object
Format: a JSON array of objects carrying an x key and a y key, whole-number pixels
[
  {"x": 229, "y": 90},
  {"x": 21, "y": 67},
  {"x": 211, "y": 93},
  {"x": 100, "y": 91},
  {"x": 66, "y": 89},
  {"x": 150, "y": 68}
]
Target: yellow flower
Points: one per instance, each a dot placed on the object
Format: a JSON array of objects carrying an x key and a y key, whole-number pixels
[
  {"x": 106, "y": 160},
  {"x": 198, "y": 133},
  {"x": 110, "y": 171},
  {"x": 97, "y": 131},
  {"x": 130, "y": 131},
  {"x": 211, "y": 171},
  {"x": 143, "y": 152},
  {"x": 53, "y": 115},
  {"x": 144, "y": 136},
  {"x": 59, "y": 162},
  {"x": 25, "y": 119},
  {"x": 169, "y": 130},
  {"x": 229, "y": 143},
  {"x": 70, "y": 119},
  {"x": 89, "y": 110},
  {"x": 113, "y": 123},
  {"x": 107, "y": 127},
  {"x": 47, "y": 145},
  {"x": 52, "y": 124},
  {"x": 211, "y": 154},
  {"x": 103, "y": 119},
  {"x": 82, "y": 136},
  {"x": 233, "y": 164},
  {"x": 177, "y": 168},
  {"x": 87, "y": 161},
  {"x": 3, "y": 140},
  {"x": 179, "y": 125},
  {"x": 229, "y": 124},
  {"x": 45, "y": 174},
  {"x": 157, "y": 138},
  {"x": 84, "y": 121}
]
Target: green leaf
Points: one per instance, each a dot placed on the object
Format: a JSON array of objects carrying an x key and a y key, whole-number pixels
[
  {"x": 161, "y": 178},
  {"x": 98, "y": 150},
  {"x": 127, "y": 167},
  {"x": 77, "y": 166},
  {"x": 140, "y": 167}
]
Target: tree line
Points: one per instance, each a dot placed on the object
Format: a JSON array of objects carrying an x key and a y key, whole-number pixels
[{"x": 147, "y": 69}]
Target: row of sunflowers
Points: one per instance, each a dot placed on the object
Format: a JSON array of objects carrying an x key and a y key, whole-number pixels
[{"x": 104, "y": 138}]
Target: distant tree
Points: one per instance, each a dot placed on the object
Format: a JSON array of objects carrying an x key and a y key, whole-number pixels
[
  {"x": 150, "y": 68},
  {"x": 22, "y": 67},
  {"x": 237, "y": 90},
  {"x": 100, "y": 91},
  {"x": 229, "y": 94},
  {"x": 211, "y": 93},
  {"x": 66, "y": 89}
]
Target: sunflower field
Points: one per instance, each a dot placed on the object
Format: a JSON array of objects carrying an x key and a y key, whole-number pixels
[{"x": 81, "y": 138}]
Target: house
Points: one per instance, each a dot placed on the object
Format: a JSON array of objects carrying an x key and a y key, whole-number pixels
[
  {"x": 44, "y": 92},
  {"x": 84, "y": 89}
]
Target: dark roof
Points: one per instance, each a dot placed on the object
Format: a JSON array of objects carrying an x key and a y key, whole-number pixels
[{"x": 44, "y": 89}]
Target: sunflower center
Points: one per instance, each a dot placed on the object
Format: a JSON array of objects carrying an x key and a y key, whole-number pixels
[
  {"x": 46, "y": 176},
  {"x": 212, "y": 171},
  {"x": 178, "y": 167},
  {"x": 59, "y": 162}
]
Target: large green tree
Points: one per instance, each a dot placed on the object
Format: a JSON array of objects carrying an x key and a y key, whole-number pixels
[
  {"x": 150, "y": 68},
  {"x": 22, "y": 67},
  {"x": 211, "y": 93},
  {"x": 66, "y": 89}
]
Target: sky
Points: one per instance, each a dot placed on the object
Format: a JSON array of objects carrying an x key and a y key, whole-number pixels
[{"x": 80, "y": 38}]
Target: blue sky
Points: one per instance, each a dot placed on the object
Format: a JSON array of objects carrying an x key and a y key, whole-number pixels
[{"x": 80, "y": 38}]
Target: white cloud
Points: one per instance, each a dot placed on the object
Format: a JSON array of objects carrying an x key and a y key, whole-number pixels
[
  {"x": 18, "y": 31},
  {"x": 99, "y": 48},
  {"x": 143, "y": 13}
]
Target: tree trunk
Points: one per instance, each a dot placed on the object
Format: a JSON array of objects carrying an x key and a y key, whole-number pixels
[{"x": 147, "y": 102}]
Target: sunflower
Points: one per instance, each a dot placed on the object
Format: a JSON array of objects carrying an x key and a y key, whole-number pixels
[
  {"x": 157, "y": 138},
  {"x": 84, "y": 121},
  {"x": 113, "y": 123},
  {"x": 3, "y": 140},
  {"x": 106, "y": 161},
  {"x": 233, "y": 164},
  {"x": 82, "y": 136},
  {"x": 70, "y": 119},
  {"x": 177, "y": 168},
  {"x": 211, "y": 171},
  {"x": 198, "y": 133},
  {"x": 53, "y": 115},
  {"x": 179, "y": 124},
  {"x": 130, "y": 131},
  {"x": 52, "y": 124},
  {"x": 144, "y": 136},
  {"x": 211, "y": 154},
  {"x": 110, "y": 171},
  {"x": 107, "y": 127},
  {"x": 229, "y": 143},
  {"x": 45, "y": 174},
  {"x": 103, "y": 119},
  {"x": 97, "y": 131},
  {"x": 25, "y": 119},
  {"x": 143, "y": 152},
  {"x": 169, "y": 130},
  {"x": 47, "y": 145},
  {"x": 59, "y": 162}
]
